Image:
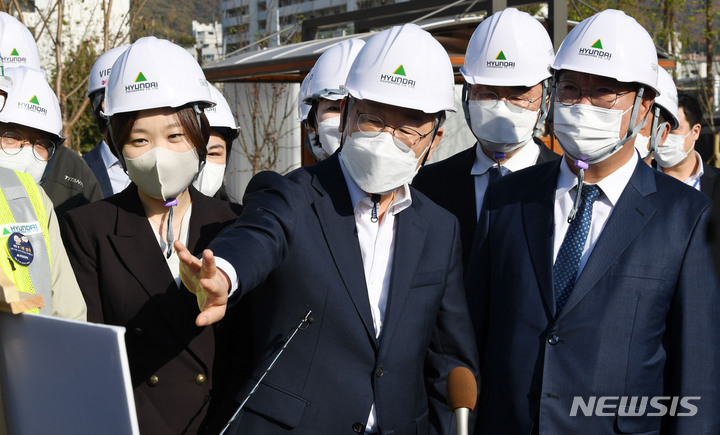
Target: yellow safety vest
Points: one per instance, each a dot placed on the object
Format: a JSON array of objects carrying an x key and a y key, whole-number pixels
[{"x": 22, "y": 211}]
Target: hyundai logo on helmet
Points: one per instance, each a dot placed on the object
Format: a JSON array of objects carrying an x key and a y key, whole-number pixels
[
  {"x": 14, "y": 57},
  {"x": 33, "y": 106},
  {"x": 398, "y": 77},
  {"x": 141, "y": 84},
  {"x": 595, "y": 50},
  {"x": 500, "y": 61}
]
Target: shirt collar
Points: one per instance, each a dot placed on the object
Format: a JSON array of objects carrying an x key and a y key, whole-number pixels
[
  {"x": 612, "y": 185},
  {"x": 107, "y": 156},
  {"x": 700, "y": 170},
  {"x": 402, "y": 199},
  {"x": 525, "y": 157}
]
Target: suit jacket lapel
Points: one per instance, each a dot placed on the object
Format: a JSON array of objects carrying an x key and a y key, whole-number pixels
[
  {"x": 628, "y": 218},
  {"x": 538, "y": 212},
  {"x": 138, "y": 250},
  {"x": 410, "y": 237},
  {"x": 337, "y": 220}
]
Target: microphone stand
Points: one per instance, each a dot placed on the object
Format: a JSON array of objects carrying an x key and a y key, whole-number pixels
[{"x": 304, "y": 323}]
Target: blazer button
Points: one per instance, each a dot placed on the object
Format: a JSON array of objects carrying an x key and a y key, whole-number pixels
[
  {"x": 153, "y": 380},
  {"x": 137, "y": 331},
  {"x": 200, "y": 379},
  {"x": 358, "y": 427},
  {"x": 379, "y": 372},
  {"x": 553, "y": 339}
]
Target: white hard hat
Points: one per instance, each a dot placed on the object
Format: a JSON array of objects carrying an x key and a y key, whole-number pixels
[
  {"x": 303, "y": 109},
  {"x": 610, "y": 44},
  {"x": 330, "y": 71},
  {"x": 17, "y": 44},
  {"x": 220, "y": 115},
  {"x": 668, "y": 98},
  {"x": 154, "y": 73},
  {"x": 32, "y": 103},
  {"x": 100, "y": 72},
  {"x": 404, "y": 66},
  {"x": 509, "y": 48}
]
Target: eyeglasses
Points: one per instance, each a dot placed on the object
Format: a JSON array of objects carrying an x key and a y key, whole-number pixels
[
  {"x": 569, "y": 93},
  {"x": 11, "y": 143},
  {"x": 492, "y": 98},
  {"x": 371, "y": 126}
]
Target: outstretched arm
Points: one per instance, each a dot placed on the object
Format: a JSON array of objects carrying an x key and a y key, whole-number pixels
[{"x": 209, "y": 284}]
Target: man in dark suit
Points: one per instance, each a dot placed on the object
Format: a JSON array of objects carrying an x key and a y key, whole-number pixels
[
  {"x": 677, "y": 156},
  {"x": 102, "y": 161},
  {"x": 505, "y": 103},
  {"x": 377, "y": 263},
  {"x": 601, "y": 315}
]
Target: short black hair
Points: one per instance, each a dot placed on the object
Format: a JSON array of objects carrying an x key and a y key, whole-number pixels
[{"x": 691, "y": 107}]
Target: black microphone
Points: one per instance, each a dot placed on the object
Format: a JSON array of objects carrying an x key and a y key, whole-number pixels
[
  {"x": 304, "y": 323},
  {"x": 461, "y": 394}
]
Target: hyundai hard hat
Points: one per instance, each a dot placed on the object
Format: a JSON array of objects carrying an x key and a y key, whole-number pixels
[
  {"x": 509, "y": 48},
  {"x": 32, "y": 103},
  {"x": 100, "y": 72},
  {"x": 668, "y": 98},
  {"x": 220, "y": 115},
  {"x": 610, "y": 44},
  {"x": 303, "y": 109},
  {"x": 155, "y": 73},
  {"x": 404, "y": 66},
  {"x": 330, "y": 71},
  {"x": 17, "y": 44}
]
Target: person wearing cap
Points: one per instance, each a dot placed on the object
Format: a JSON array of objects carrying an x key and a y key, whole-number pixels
[
  {"x": 677, "y": 156},
  {"x": 66, "y": 179},
  {"x": 27, "y": 220},
  {"x": 594, "y": 300},
  {"x": 505, "y": 99},
  {"x": 102, "y": 161},
  {"x": 321, "y": 96},
  {"x": 661, "y": 119},
  {"x": 376, "y": 262},
  {"x": 223, "y": 131},
  {"x": 121, "y": 247}
]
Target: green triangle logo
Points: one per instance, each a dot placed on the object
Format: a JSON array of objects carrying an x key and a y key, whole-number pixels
[
  {"x": 400, "y": 71},
  {"x": 140, "y": 78},
  {"x": 34, "y": 100},
  {"x": 14, "y": 52},
  {"x": 5, "y": 232},
  {"x": 501, "y": 56},
  {"x": 597, "y": 44}
]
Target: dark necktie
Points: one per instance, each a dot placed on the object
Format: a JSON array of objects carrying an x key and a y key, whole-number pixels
[
  {"x": 568, "y": 259},
  {"x": 496, "y": 173}
]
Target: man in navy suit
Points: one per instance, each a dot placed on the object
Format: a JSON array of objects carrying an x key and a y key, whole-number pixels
[
  {"x": 377, "y": 263},
  {"x": 505, "y": 100},
  {"x": 594, "y": 300},
  {"x": 677, "y": 156}
]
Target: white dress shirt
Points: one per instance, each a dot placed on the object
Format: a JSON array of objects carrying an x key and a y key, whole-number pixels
[
  {"x": 174, "y": 262},
  {"x": 524, "y": 158},
  {"x": 377, "y": 242},
  {"x": 118, "y": 178},
  {"x": 612, "y": 187}
]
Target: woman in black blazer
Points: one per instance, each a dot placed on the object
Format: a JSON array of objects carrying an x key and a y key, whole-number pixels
[{"x": 121, "y": 247}]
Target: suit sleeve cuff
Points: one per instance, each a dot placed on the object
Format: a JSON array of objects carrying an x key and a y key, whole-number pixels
[{"x": 229, "y": 270}]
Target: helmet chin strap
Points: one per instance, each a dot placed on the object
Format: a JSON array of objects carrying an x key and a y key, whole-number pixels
[
  {"x": 654, "y": 131},
  {"x": 543, "y": 106}
]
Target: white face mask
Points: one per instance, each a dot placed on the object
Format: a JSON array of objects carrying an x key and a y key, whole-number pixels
[
  {"x": 329, "y": 135},
  {"x": 379, "y": 164},
  {"x": 502, "y": 128},
  {"x": 642, "y": 145},
  {"x": 672, "y": 151},
  {"x": 24, "y": 161},
  {"x": 587, "y": 133},
  {"x": 210, "y": 178},
  {"x": 163, "y": 174}
]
